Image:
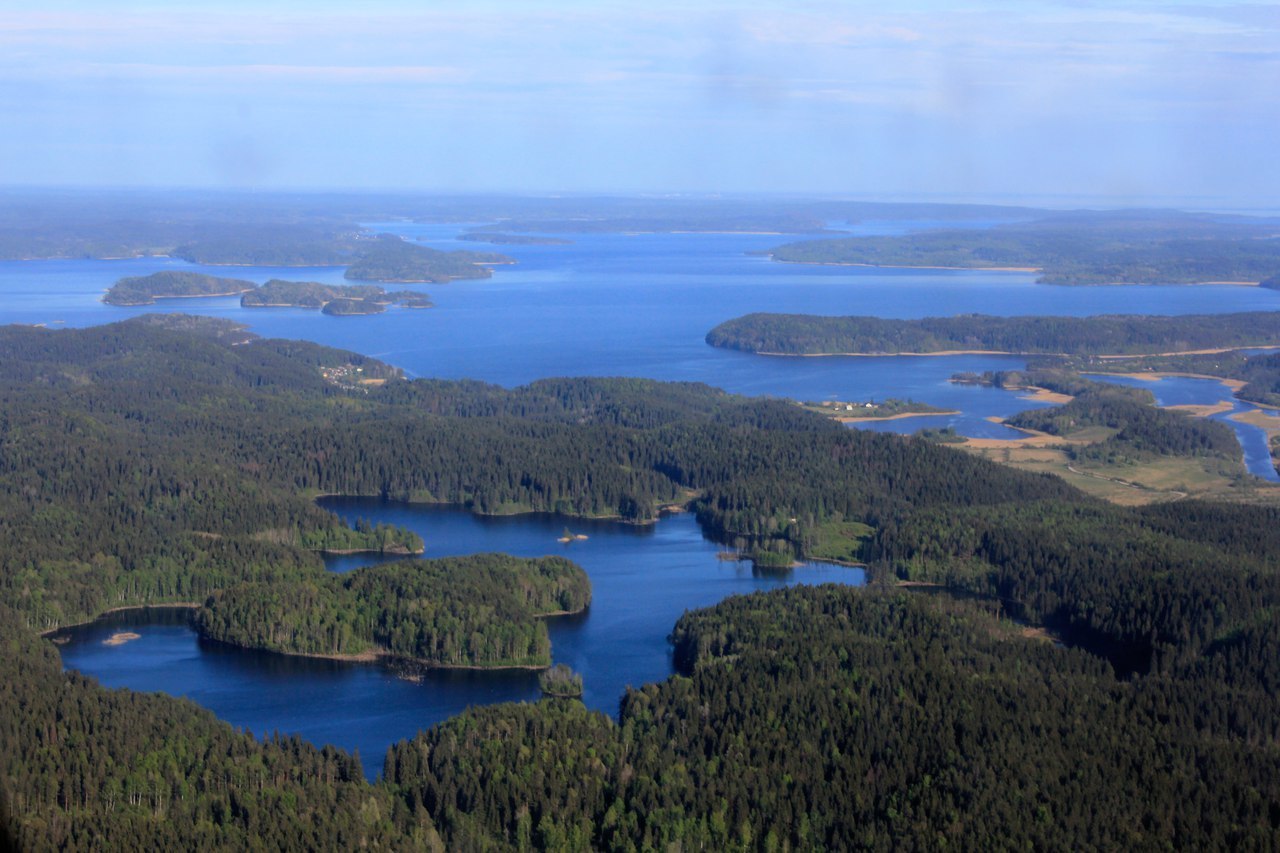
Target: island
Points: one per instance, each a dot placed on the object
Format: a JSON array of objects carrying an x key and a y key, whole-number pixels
[
  {"x": 1083, "y": 247},
  {"x": 482, "y": 611},
  {"x": 172, "y": 284},
  {"x": 1102, "y": 336},
  {"x": 389, "y": 258}
]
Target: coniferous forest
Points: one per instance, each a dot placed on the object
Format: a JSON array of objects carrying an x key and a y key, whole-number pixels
[{"x": 176, "y": 461}]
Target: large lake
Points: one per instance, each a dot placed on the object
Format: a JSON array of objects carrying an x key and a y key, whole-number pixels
[{"x": 605, "y": 305}]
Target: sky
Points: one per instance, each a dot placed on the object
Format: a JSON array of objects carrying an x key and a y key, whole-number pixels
[{"x": 1130, "y": 100}]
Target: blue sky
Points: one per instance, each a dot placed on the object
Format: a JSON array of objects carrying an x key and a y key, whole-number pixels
[{"x": 1141, "y": 102}]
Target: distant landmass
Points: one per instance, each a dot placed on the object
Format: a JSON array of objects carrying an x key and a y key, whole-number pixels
[
  {"x": 1117, "y": 334},
  {"x": 1125, "y": 247},
  {"x": 171, "y": 284},
  {"x": 514, "y": 239},
  {"x": 389, "y": 258}
]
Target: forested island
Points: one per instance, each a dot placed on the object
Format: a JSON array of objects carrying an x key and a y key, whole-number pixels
[
  {"x": 172, "y": 284},
  {"x": 480, "y": 611},
  {"x": 1100, "y": 336},
  {"x": 1083, "y": 247},
  {"x": 391, "y": 259},
  {"x": 160, "y": 461}
]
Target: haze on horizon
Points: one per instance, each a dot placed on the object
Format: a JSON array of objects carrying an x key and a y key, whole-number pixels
[{"x": 1134, "y": 101}]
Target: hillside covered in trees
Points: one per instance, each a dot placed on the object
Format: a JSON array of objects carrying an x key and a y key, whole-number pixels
[{"x": 170, "y": 460}]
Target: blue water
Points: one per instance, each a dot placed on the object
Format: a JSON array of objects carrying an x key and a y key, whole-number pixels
[
  {"x": 607, "y": 304},
  {"x": 643, "y": 578}
]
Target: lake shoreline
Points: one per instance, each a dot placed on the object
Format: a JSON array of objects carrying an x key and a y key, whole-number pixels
[{"x": 181, "y": 605}]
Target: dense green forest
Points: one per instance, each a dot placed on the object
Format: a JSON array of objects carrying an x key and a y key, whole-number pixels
[
  {"x": 173, "y": 460},
  {"x": 465, "y": 611},
  {"x": 1137, "y": 247},
  {"x": 389, "y": 258},
  {"x": 1133, "y": 334},
  {"x": 833, "y": 718},
  {"x": 171, "y": 284}
]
